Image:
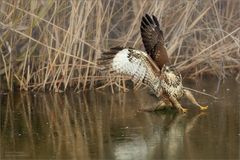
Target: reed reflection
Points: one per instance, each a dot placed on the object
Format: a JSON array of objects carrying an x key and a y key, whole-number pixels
[{"x": 101, "y": 125}]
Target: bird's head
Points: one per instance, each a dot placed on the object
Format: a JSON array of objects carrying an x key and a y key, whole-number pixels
[
  {"x": 169, "y": 73},
  {"x": 168, "y": 69}
]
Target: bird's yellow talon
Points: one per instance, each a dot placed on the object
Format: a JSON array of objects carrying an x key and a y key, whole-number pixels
[{"x": 203, "y": 107}]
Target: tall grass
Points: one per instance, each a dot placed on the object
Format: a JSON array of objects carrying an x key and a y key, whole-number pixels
[{"x": 54, "y": 44}]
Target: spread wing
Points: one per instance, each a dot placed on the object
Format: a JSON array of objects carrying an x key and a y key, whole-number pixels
[
  {"x": 134, "y": 63},
  {"x": 152, "y": 37}
]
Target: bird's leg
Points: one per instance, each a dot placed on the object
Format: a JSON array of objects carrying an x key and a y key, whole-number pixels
[
  {"x": 166, "y": 102},
  {"x": 175, "y": 102},
  {"x": 190, "y": 97}
]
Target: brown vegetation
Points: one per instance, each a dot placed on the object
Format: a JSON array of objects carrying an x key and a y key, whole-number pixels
[{"x": 54, "y": 44}]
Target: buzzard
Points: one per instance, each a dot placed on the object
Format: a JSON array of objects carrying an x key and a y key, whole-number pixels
[{"x": 151, "y": 68}]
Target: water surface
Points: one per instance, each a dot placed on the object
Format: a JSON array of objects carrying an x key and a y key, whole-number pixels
[{"x": 101, "y": 125}]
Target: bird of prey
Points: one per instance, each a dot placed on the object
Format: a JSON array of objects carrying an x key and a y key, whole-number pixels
[
  {"x": 166, "y": 83},
  {"x": 151, "y": 68}
]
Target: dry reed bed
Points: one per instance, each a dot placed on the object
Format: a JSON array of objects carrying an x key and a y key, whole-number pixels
[{"x": 54, "y": 44}]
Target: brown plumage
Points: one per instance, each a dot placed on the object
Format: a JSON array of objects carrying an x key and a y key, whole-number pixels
[{"x": 153, "y": 40}]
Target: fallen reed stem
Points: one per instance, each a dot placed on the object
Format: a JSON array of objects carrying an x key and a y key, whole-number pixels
[{"x": 203, "y": 93}]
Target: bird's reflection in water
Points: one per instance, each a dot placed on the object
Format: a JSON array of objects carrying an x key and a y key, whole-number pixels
[{"x": 161, "y": 135}]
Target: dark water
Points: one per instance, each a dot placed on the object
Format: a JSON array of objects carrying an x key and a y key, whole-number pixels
[{"x": 100, "y": 125}]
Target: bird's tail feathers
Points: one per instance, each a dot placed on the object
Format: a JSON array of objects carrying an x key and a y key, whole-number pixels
[{"x": 105, "y": 61}]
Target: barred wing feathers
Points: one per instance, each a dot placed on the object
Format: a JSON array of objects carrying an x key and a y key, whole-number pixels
[
  {"x": 153, "y": 40},
  {"x": 134, "y": 63}
]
